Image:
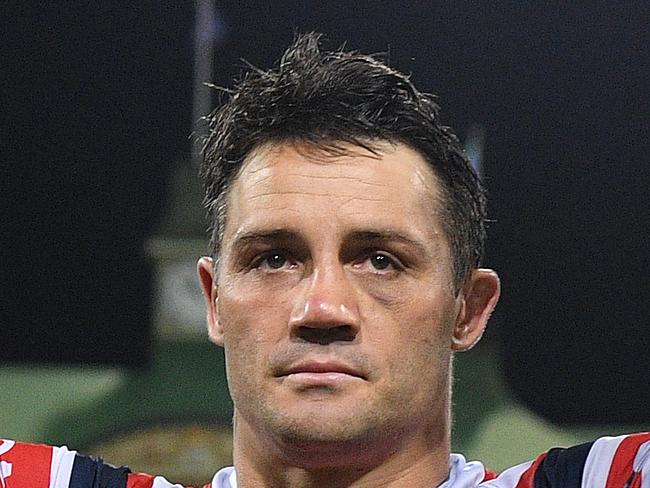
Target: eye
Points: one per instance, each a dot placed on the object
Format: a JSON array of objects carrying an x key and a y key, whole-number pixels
[
  {"x": 380, "y": 261},
  {"x": 271, "y": 261},
  {"x": 274, "y": 260}
]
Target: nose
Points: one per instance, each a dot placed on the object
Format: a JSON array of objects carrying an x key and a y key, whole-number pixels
[{"x": 327, "y": 310}]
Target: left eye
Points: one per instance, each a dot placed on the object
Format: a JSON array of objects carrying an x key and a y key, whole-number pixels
[
  {"x": 275, "y": 260},
  {"x": 380, "y": 261}
]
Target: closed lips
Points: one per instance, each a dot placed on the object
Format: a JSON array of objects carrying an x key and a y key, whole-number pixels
[{"x": 323, "y": 368}]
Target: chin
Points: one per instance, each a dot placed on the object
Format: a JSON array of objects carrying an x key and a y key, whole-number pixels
[
  {"x": 323, "y": 443},
  {"x": 325, "y": 425}
]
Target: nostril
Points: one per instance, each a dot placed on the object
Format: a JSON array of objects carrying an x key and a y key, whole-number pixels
[{"x": 328, "y": 335}]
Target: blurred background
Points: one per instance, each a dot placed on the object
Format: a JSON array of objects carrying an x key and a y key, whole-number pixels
[{"x": 102, "y": 338}]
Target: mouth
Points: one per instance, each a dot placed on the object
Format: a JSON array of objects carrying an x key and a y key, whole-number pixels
[{"x": 322, "y": 371}]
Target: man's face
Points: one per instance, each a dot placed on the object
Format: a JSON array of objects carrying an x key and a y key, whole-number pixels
[{"x": 334, "y": 298}]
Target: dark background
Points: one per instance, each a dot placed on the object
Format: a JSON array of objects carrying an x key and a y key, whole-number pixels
[{"x": 95, "y": 111}]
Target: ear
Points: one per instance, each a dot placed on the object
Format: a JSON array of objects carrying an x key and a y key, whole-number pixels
[
  {"x": 478, "y": 298},
  {"x": 205, "y": 269}
]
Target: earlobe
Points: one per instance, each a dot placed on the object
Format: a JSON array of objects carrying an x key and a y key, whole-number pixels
[
  {"x": 206, "y": 272},
  {"x": 479, "y": 298}
]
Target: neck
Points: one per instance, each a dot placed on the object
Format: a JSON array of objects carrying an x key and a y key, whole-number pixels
[{"x": 409, "y": 458}]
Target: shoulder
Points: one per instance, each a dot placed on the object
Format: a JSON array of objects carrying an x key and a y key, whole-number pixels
[
  {"x": 609, "y": 462},
  {"x": 24, "y": 465},
  {"x": 33, "y": 465}
]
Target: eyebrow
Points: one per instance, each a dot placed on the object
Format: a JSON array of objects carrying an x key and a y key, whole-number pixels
[
  {"x": 388, "y": 236},
  {"x": 264, "y": 235}
]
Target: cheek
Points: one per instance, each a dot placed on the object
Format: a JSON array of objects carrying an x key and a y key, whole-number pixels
[
  {"x": 253, "y": 322},
  {"x": 416, "y": 334},
  {"x": 419, "y": 314},
  {"x": 422, "y": 356},
  {"x": 245, "y": 346},
  {"x": 252, "y": 313}
]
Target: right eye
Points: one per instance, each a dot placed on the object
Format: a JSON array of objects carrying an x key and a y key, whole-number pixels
[{"x": 271, "y": 261}]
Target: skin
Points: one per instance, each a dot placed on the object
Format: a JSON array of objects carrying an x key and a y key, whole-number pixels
[{"x": 340, "y": 262}]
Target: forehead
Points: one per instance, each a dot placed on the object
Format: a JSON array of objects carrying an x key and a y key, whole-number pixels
[{"x": 390, "y": 188}]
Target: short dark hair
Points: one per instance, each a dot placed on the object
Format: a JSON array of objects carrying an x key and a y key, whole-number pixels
[{"x": 330, "y": 98}]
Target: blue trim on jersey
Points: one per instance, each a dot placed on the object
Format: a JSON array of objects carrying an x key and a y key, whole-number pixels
[
  {"x": 563, "y": 468},
  {"x": 88, "y": 472}
]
